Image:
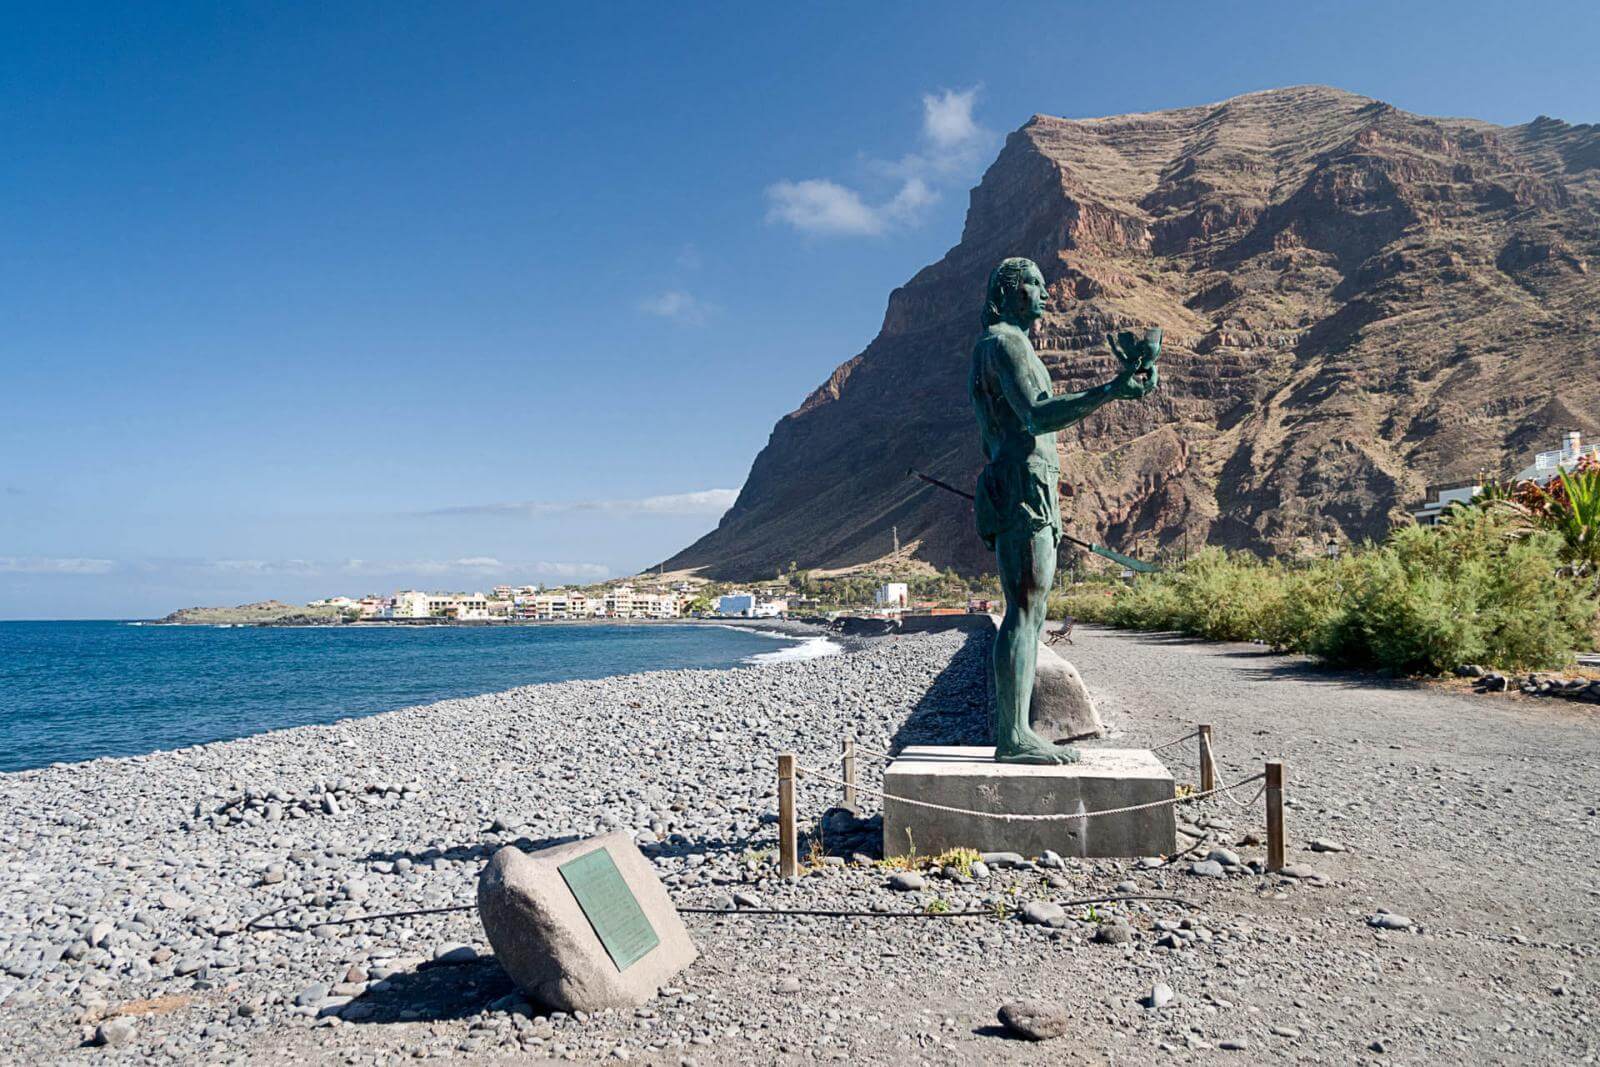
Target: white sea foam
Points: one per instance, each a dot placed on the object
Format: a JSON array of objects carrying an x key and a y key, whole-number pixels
[{"x": 804, "y": 648}]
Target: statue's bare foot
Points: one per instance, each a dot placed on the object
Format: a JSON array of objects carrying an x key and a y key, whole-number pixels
[{"x": 1031, "y": 748}]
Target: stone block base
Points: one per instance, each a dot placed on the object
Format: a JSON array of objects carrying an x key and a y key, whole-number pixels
[{"x": 969, "y": 778}]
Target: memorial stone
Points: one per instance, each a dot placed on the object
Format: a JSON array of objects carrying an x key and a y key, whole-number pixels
[{"x": 582, "y": 926}]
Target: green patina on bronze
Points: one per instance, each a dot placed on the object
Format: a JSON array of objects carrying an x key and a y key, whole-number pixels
[
  {"x": 610, "y": 906},
  {"x": 1018, "y": 514}
]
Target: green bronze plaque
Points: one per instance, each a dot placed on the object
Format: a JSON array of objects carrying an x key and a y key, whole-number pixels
[{"x": 610, "y": 907}]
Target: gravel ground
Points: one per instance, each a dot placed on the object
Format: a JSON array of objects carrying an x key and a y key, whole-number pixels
[{"x": 1470, "y": 821}]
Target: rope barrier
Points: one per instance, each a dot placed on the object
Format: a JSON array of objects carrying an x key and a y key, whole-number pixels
[
  {"x": 1177, "y": 741},
  {"x": 253, "y": 928},
  {"x": 1227, "y": 794},
  {"x": 1008, "y": 817},
  {"x": 1003, "y": 912}
]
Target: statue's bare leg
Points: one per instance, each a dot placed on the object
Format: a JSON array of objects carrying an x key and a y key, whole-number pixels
[{"x": 1027, "y": 570}]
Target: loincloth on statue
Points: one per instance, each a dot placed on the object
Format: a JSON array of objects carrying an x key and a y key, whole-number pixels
[{"x": 1017, "y": 497}]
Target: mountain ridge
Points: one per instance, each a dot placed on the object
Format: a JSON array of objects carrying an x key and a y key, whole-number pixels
[{"x": 1357, "y": 302}]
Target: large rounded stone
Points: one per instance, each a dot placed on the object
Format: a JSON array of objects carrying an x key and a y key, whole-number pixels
[
  {"x": 1062, "y": 709},
  {"x": 549, "y": 945},
  {"x": 1036, "y": 1020}
]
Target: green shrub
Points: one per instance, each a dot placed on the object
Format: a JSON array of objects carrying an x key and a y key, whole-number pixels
[
  {"x": 1472, "y": 589},
  {"x": 1084, "y": 603},
  {"x": 1149, "y": 604},
  {"x": 1304, "y": 604},
  {"x": 1222, "y": 594},
  {"x": 1405, "y": 617}
]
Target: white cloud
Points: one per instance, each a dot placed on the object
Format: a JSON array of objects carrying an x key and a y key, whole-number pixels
[
  {"x": 699, "y": 502},
  {"x": 465, "y": 565},
  {"x": 480, "y": 566},
  {"x": 55, "y": 565},
  {"x": 954, "y": 143},
  {"x": 947, "y": 118},
  {"x": 817, "y": 205},
  {"x": 263, "y": 566},
  {"x": 678, "y": 305},
  {"x": 908, "y": 203}
]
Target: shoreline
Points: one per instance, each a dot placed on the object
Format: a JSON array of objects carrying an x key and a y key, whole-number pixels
[
  {"x": 787, "y": 641},
  {"x": 742, "y": 622},
  {"x": 127, "y": 879}
]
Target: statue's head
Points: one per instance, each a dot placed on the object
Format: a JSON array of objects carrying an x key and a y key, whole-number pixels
[{"x": 1016, "y": 293}]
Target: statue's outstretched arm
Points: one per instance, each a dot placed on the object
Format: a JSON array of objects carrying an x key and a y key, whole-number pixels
[{"x": 1040, "y": 411}]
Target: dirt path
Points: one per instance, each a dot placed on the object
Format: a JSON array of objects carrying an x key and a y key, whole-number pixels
[{"x": 1472, "y": 815}]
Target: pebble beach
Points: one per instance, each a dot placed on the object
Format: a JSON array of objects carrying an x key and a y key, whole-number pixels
[{"x": 128, "y": 886}]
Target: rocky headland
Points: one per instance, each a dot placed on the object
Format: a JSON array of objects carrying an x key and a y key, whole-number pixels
[
  {"x": 261, "y": 613},
  {"x": 1358, "y": 302}
]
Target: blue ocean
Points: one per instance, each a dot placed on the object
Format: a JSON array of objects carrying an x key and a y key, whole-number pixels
[{"x": 77, "y": 690}]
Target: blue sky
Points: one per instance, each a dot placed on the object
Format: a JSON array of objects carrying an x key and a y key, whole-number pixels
[{"x": 303, "y": 299}]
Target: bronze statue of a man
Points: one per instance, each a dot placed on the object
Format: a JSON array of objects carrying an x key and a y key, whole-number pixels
[{"x": 1019, "y": 517}]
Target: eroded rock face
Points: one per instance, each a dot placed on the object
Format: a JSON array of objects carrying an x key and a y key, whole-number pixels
[{"x": 1357, "y": 302}]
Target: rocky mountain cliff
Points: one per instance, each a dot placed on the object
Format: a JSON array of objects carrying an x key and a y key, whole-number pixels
[{"x": 1357, "y": 302}]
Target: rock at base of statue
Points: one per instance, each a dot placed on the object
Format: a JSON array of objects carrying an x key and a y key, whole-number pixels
[
  {"x": 582, "y": 926},
  {"x": 968, "y": 778},
  {"x": 1061, "y": 708}
]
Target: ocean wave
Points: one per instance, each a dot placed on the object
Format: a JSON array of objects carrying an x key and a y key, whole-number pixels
[{"x": 805, "y": 648}]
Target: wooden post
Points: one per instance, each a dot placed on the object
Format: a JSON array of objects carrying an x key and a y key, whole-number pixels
[
  {"x": 788, "y": 843},
  {"x": 849, "y": 763},
  {"x": 1208, "y": 766},
  {"x": 1274, "y": 816}
]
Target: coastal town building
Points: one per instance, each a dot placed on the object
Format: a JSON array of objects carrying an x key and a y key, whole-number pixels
[
  {"x": 1441, "y": 498},
  {"x": 408, "y": 604},
  {"x": 892, "y": 595},
  {"x": 619, "y": 602},
  {"x": 527, "y": 602},
  {"x": 1572, "y": 451},
  {"x": 737, "y": 605},
  {"x": 411, "y": 604}
]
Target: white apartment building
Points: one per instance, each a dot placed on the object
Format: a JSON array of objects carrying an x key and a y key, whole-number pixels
[
  {"x": 1546, "y": 464},
  {"x": 737, "y": 604},
  {"x": 892, "y": 595},
  {"x": 451, "y": 606},
  {"x": 656, "y": 606},
  {"x": 1441, "y": 498},
  {"x": 619, "y": 602}
]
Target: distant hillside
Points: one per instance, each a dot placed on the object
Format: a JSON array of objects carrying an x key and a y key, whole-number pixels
[
  {"x": 1357, "y": 302},
  {"x": 263, "y": 613}
]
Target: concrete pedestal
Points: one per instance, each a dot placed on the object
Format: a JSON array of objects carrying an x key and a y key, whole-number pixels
[{"x": 969, "y": 778}]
